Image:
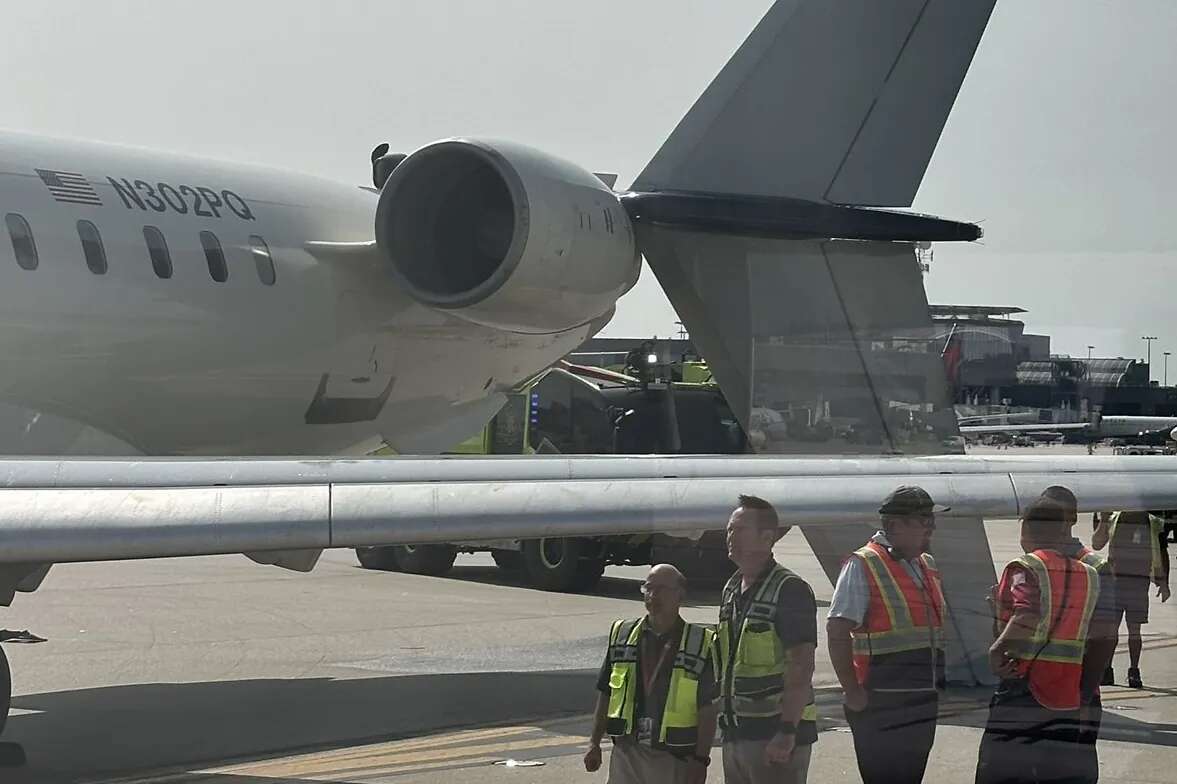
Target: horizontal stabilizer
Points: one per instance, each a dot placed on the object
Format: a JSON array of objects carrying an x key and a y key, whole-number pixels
[{"x": 784, "y": 218}]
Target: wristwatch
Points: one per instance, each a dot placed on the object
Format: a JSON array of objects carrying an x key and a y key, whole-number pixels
[
  {"x": 699, "y": 758},
  {"x": 787, "y": 728}
]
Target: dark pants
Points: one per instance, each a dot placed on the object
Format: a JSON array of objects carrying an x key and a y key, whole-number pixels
[
  {"x": 893, "y": 736},
  {"x": 1025, "y": 742},
  {"x": 1086, "y": 754}
]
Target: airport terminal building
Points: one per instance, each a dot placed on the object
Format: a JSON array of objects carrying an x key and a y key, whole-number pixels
[
  {"x": 999, "y": 364},
  {"x": 992, "y": 363}
]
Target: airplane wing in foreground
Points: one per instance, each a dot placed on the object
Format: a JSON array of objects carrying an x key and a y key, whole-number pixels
[{"x": 54, "y": 511}]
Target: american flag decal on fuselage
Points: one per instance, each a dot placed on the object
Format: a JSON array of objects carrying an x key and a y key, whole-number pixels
[{"x": 69, "y": 187}]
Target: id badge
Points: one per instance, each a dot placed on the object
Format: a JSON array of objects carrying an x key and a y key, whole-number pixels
[{"x": 645, "y": 729}]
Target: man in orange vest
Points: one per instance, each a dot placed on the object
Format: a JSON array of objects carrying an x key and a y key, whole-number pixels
[
  {"x": 1102, "y": 636},
  {"x": 1044, "y": 604},
  {"x": 885, "y": 641}
]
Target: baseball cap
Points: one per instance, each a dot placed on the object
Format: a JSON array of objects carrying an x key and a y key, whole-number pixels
[{"x": 910, "y": 500}]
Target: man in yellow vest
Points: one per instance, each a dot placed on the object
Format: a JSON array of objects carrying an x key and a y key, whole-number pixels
[
  {"x": 886, "y": 641},
  {"x": 1044, "y": 601},
  {"x": 766, "y": 639},
  {"x": 657, "y": 692},
  {"x": 1138, "y": 554}
]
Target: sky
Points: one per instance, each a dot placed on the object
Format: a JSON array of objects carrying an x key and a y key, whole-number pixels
[{"x": 1061, "y": 142}]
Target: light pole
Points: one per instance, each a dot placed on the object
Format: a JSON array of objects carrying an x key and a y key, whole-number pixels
[
  {"x": 1166, "y": 381},
  {"x": 1148, "y": 339},
  {"x": 1089, "y": 351}
]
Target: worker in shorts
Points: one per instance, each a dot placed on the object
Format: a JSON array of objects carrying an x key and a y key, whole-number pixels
[{"x": 1139, "y": 558}]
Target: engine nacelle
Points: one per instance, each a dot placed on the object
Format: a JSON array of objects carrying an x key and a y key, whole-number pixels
[{"x": 505, "y": 236}]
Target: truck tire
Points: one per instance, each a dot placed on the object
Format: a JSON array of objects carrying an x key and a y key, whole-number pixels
[
  {"x": 434, "y": 560},
  {"x": 705, "y": 564},
  {"x": 5, "y": 688},
  {"x": 508, "y": 560},
  {"x": 588, "y": 574},
  {"x": 551, "y": 564},
  {"x": 380, "y": 558}
]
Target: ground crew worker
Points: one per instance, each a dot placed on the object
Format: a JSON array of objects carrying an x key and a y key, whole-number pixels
[
  {"x": 886, "y": 641},
  {"x": 1139, "y": 555},
  {"x": 657, "y": 692},
  {"x": 1045, "y": 601},
  {"x": 766, "y": 639},
  {"x": 1102, "y": 637}
]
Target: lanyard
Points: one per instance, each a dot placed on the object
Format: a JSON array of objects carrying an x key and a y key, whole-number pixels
[{"x": 649, "y": 679}]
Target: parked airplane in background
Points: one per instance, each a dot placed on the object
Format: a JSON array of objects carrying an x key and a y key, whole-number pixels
[
  {"x": 157, "y": 305},
  {"x": 1133, "y": 428}
]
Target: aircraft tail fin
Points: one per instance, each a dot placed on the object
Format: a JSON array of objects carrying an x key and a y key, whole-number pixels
[{"x": 832, "y": 102}]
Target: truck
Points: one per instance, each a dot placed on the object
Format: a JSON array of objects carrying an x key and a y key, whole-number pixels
[{"x": 643, "y": 408}]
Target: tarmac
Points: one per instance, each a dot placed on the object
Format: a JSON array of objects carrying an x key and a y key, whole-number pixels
[{"x": 220, "y": 671}]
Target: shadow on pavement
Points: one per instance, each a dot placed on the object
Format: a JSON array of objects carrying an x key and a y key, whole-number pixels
[
  {"x": 90, "y": 734},
  {"x": 101, "y": 732},
  {"x": 970, "y": 708},
  {"x": 609, "y": 587}
]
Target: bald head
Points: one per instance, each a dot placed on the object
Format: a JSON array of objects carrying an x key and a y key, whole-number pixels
[
  {"x": 663, "y": 591},
  {"x": 666, "y": 574}
]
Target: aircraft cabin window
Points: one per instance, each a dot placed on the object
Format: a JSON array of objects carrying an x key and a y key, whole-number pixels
[
  {"x": 263, "y": 260},
  {"x": 22, "y": 241},
  {"x": 157, "y": 247},
  {"x": 92, "y": 247},
  {"x": 215, "y": 257}
]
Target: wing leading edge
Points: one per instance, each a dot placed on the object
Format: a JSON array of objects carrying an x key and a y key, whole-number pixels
[{"x": 66, "y": 511}]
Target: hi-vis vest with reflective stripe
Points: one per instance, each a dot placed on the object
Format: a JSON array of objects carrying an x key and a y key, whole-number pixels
[
  {"x": 753, "y": 674},
  {"x": 1052, "y": 659},
  {"x": 1155, "y": 527},
  {"x": 1092, "y": 558},
  {"x": 901, "y": 615},
  {"x": 680, "y": 718}
]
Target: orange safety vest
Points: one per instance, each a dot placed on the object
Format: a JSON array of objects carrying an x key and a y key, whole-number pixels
[
  {"x": 901, "y": 616},
  {"x": 1052, "y": 659}
]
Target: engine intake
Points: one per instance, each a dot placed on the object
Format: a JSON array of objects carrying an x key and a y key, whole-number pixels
[{"x": 506, "y": 236}]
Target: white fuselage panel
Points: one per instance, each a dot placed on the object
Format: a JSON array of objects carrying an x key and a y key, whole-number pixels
[{"x": 329, "y": 356}]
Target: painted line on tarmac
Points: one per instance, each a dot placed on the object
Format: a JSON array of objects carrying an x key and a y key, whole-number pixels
[
  {"x": 459, "y": 758},
  {"x": 1135, "y": 694},
  {"x": 459, "y": 749},
  {"x": 392, "y": 758},
  {"x": 338, "y": 757}
]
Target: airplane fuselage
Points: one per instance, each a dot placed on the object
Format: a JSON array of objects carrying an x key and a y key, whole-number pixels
[{"x": 129, "y": 349}]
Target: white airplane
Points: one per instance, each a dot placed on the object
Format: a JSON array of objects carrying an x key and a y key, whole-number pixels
[
  {"x": 167, "y": 313},
  {"x": 1109, "y": 426}
]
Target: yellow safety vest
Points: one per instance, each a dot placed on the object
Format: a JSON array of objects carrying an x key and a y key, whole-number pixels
[
  {"x": 753, "y": 674},
  {"x": 1156, "y": 527},
  {"x": 680, "y": 718}
]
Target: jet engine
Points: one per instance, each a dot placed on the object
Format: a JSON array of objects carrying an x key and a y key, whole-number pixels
[{"x": 505, "y": 236}]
